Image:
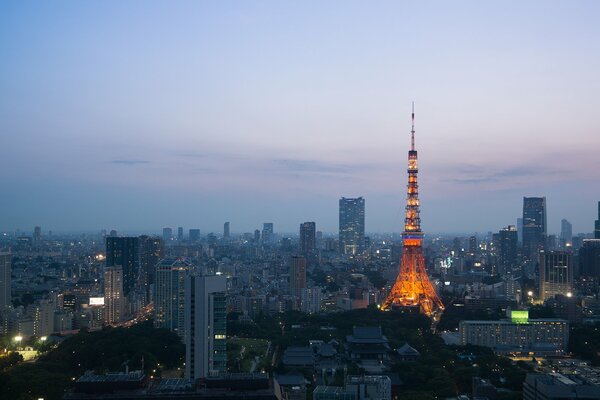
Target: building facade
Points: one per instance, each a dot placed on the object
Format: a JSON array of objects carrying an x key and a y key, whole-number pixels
[
  {"x": 351, "y": 225},
  {"x": 169, "y": 294},
  {"x": 519, "y": 335},
  {"x": 5, "y": 280},
  {"x": 534, "y": 226},
  {"x": 297, "y": 275},
  {"x": 113, "y": 295},
  {"x": 125, "y": 252},
  {"x": 555, "y": 274},
  {"x": 308, "y": 242},
  {"x": 205, "y": 326}
]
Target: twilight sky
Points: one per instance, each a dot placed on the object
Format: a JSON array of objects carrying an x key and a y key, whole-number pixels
[{"x": 138, "y": 115}]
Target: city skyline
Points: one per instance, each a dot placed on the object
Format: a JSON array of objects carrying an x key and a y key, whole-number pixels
[{"x": 205, "y": 113}]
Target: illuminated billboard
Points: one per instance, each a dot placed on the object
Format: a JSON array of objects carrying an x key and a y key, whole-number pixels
[
  {"x": 519, "y": 317},
  {"x": 96, "y": 301}
]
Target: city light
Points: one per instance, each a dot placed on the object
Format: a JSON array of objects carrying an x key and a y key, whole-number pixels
[{"x": 18, "y": 338}]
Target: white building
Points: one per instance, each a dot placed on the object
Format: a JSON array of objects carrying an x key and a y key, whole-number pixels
[
  {"x": 205, "y": 326},
  {"x": 113, "y": 295}
]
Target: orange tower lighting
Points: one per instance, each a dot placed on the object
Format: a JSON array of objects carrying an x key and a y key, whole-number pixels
[{"x": 413, "y": 287}]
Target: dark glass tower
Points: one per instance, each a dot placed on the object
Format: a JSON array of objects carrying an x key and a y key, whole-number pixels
[
  {"x": 507, "y": 249},
  {"x": 534, "y": 226},
  {"x": 124, "y": 251},
  {"x": 352, "y": 225}
]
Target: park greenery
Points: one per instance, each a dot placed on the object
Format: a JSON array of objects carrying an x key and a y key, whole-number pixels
[{"x": 107, "y": 350}]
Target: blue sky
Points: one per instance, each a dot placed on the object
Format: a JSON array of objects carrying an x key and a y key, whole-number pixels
[{"x": 137, "y": 115}]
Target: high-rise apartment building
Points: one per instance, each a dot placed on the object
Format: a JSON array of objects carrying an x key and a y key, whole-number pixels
[
  {"x": 351, "y": 225},
  {"x": 169, "y": 294},
  {"x": 125, "y": 251},
  {"x": 267, "y": 233},
  {"x": 297, "y": 275},
  {"x": 167, "y": 234},
  {"x": 5, "y": 280},
  {"x": 308, "y": 242},
  {"x": 566, "y": 233},
  {"x": 205, "y": 326},
  {"x": 507, "y": 249},
  {"x": 473, "y": 245},
  {"x": 226, "y": 232},
  {"x": 180, "y": 234},
  {"x": 555, "y": 274},
  {"x": 114, "y": 303},
  {"x": 534, "y": 226}
]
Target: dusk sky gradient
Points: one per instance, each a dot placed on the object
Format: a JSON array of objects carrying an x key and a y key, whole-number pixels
[{"x": 138, "y": 115}]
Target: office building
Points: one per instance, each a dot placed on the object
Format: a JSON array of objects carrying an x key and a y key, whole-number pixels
[
  {"x": 519, "y": 335},
  {"x": 167, "y": 234},
  {"x": 507, "y": 249},
  {"x": 589, "y": 258},
  {"x": 308, "y": 242},
  {"x": 5, "y": 280},
  {"x": 125, "y": 252},
  {"x": 555, "y": 274},
  {"x": 194, "y": 235},
  {"x": 226, "y": 232},
  {"x": 297, "y": 275},
  {"x": 180, "y": 234},
  {"x": 566, "y": 233},
  {"x": 113, "y": 295},
  {"x": 169, "y": 294},
  {"x": 534, "y": 226},
  {"x": 267, "y": 233},
  {"x": 351, "y": 225},
  {"x": 205, "y": 326},
  {"x": 556, "y": 386}
]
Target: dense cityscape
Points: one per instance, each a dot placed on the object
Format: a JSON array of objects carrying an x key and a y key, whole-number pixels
[
  {"x": 263, "y": 315},
  {"x": 341, "y": 200}
]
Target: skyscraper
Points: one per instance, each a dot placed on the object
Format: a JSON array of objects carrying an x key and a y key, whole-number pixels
[
  {"x": 5, "y": 280},
  {"x": 194, "y": 235},
  {"x": 125, "y": 251},
  {"x": 113, "y": 295},
  {"x": 308, "y": 232},
  {"x": 352, "y": 225},
  {"x": 597, "y": 224},
  {"x": 556, "y": 274},
  {"x": 267, "y": 233},
  {"x": 152, "y": 249},
  {"x": 37, "y": 234},
  {"x": 589, "y": 258},
  {"x": 507, "y": 249},
  {"x": 566, "y": 233},
  {"x": 297, "y": 275},
  {"x": 169, "y": 294},
  {"x": 226, "y": 230},
  {"x": 180, "y": 234},
  {"x": 534, "y": 226},
  {"x": 167, "y": 234},
  {"x": 205, "y": 326}
]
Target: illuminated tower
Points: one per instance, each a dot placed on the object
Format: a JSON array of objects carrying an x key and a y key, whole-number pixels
[{"x": 412, "y": 287}]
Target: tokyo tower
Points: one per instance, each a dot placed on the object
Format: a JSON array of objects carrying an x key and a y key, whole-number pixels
[{"x": 413, "y": 287}]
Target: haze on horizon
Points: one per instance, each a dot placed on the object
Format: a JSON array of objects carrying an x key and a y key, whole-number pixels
[{"x": 135, "y": 116}]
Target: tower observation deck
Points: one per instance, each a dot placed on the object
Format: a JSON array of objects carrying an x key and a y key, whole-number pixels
[{"x": 413, "y": 287}]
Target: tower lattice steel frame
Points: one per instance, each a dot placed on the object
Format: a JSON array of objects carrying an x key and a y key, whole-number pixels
[{"x": 412, "y": 286}]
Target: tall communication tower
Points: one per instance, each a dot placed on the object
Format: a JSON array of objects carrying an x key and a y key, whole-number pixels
[{"x": 413, "y": 287}]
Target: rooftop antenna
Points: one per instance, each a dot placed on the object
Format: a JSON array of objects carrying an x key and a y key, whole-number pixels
[{"x": 412, "y": 131}]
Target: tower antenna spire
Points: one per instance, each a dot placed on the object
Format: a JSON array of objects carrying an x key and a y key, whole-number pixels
[{"x": 412, "y": 131}]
